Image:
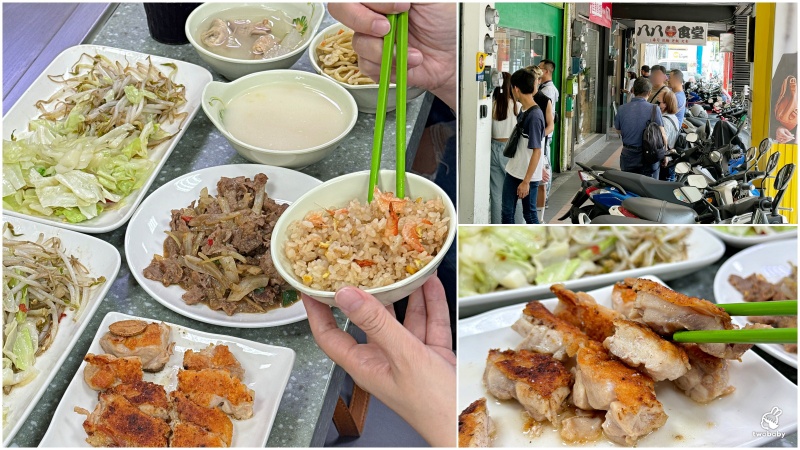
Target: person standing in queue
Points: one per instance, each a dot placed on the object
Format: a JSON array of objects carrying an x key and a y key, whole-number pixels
[
  {"x": 524, "y": 169},
  {"x": 630, "y": 121}
]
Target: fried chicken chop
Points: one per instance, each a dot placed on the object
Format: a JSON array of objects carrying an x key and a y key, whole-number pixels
[
  {"x": 475, "y": 427},
  {"x": 153, "y": 346},
  {"x": 115, "y": 422},
  {"x": 150, "y": 398},
  {"x": 545, "y": 333},
  {"x": 666, "y": 311},
  {"x": 582, "y": 311},
  {"x": 105, "y": 371},
  {"x": 216, "y": 387},
  {"x": 708, "y": 377},
  {"x": 538, "y": 381},
  {"x": 604, "y": 383},
  {"x": 211, "y": 420},
  {"x": 639, "y": 347},
  {"x": 213, "y": 357}
]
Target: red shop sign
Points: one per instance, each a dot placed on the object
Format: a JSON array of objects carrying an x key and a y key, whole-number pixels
[{"x": 600, "y": 13}]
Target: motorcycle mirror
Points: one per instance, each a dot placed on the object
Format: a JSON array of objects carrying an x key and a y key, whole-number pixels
[
  {"x": 772, "y": 162},
  {"x": 683, "y": 167},
  {"x": 715, "y": 156},
  {"x": 698, "y": 181},
  {"x": 783, "y": 177},
  {"x": 688, "y": 194},
  {"x": 691, "y": 137}
]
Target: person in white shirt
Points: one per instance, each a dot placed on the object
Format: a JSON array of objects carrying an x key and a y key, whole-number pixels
[{"x": 504, "y": 118}]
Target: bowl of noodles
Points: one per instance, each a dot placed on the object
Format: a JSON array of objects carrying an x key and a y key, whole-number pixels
[
  {"x": 332, "y": 55},
  {"x": 333, "y": 237}
]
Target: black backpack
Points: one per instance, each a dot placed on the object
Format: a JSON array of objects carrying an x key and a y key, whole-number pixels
[{"x": 653, "y": 146}]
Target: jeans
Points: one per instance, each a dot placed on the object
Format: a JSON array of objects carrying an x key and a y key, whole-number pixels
[{"x": 510, "y": 185}]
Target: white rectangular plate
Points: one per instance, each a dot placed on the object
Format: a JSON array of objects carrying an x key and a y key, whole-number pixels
[
  {"x": 730, "y": 421},
  {"x": 101, "y": 259},
  {"x": 703, "y": 248},
  {"x": 192, "y": 76},
  {"x": 267, "y": 369}
]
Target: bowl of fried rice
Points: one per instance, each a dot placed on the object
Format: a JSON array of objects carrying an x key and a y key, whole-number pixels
[{"x": 333, "y": 237}]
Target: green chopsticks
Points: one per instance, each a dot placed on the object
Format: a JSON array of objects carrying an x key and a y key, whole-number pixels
[
  {"x": 398, "y": 33},
  {"x": 776, "y": 308},
  {"x": 764, "y": 336}
]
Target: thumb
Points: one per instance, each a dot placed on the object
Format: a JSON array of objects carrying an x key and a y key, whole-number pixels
[{"x": 371, "y": 316}]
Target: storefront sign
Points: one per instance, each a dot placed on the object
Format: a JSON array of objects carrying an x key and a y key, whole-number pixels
[
  {"x": 600, "y": 13},
  {"x": 661, "y": 32}
]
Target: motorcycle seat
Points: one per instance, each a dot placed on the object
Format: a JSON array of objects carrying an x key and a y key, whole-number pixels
[
  {"x": 620, "y": 220},
  {"x": 644, "y": 186},
  {"x": 660, "y": 211}
]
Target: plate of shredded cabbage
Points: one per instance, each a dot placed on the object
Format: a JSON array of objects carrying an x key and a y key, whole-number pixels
[
  {"x": 83, "y": 144},
  {"x": 500, "y": 265},
  {"x": 53, "y": 282},
  {"x": 741, "y": 236}
]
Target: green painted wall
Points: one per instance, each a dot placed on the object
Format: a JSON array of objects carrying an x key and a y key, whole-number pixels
[{"x": 541, "y": 18}]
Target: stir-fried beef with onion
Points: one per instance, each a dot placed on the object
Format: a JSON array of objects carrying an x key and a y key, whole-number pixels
[{"x": 217, "y": 249}]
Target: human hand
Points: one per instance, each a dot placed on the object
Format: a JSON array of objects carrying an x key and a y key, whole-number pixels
[
  {"x": 783, "y": 135},
  {"x": 523, "y": 189},
  {"x": 397, "y": 359},
  {"x": 432, "y": 41}
]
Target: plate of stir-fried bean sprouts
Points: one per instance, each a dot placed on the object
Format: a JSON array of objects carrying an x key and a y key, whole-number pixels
[
  {"x": 502, "y": 265},
  {"x": 83, "y": 144},
  {"x": 53, "y": 282}
]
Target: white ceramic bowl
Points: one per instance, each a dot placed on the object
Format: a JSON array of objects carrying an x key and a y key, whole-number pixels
[
  {"x": 338, "y": 192},
  {"x": 283, "y": 158},
  {"x": 366, "y": 95},
  {"x": 232, "y": 68}
]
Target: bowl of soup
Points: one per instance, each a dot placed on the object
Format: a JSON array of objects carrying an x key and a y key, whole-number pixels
[
  {"x": 285, "y": 118},
  {"x": 332, "y": 55},
  {"x": 237, "y": 39}
]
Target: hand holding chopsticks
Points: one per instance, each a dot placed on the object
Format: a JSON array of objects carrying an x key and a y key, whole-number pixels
[
  {"x": 754, "y": 336},
  {"x": 398, "y": 33}
]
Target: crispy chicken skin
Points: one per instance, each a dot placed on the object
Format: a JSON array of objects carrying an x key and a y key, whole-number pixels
[
  {"x": 623, "y": 299},
  {"x": 627, "y": 395},
  {"x": 153, "y": 346},
  {"x": 475, "y": 427},
  {"x": 213, "y": 357},
  {"x": 212, "y": 420},
  {"x": 216, "y": 387},
  {"x": 666, "y": 311},
  {"x": 189, "y": 435},
  {"x": 708, "y": 377},
  {"x": 115, "y": 422},
  {"x": 545, "y": 333},
  {"x": 105, "y": 371},
  {"x": 150, "y": 398},
  {"x": 538, "y": 381},
  {"x": 639, "y": 347},
  {"x": 582, "y": 311}
]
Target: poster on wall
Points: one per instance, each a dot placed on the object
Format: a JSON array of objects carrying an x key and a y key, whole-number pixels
[
  {"x": 783, "y": 110},
  {"x": 663, "y": 32},
  {"x": 600, "y": 13}
]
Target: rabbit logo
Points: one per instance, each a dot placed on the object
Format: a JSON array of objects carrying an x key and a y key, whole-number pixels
[{"x": 769, "y": 421}]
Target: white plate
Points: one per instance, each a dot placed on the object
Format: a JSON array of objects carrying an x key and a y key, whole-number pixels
[
  {"x": 192, "y": 76},
  {"x": 726, "y": 422},
  {"x": 267, "y": 369},
  {"x": 145, "y": 237},
  {"x": 770, "y": 260},
  {"x": 101, "y": 259},
  {"x": 746, "y": 241},
  {"x": 703, "y": 249}
]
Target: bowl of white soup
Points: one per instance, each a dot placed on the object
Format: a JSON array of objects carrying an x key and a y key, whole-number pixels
[{"x": 285, "y": 118}]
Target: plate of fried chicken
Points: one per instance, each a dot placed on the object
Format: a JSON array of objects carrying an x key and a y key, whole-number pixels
[
  {"x": 146, "y": 383},
  {"x": 763, "y": 273},
  {"x": 598, "y": 369}
]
